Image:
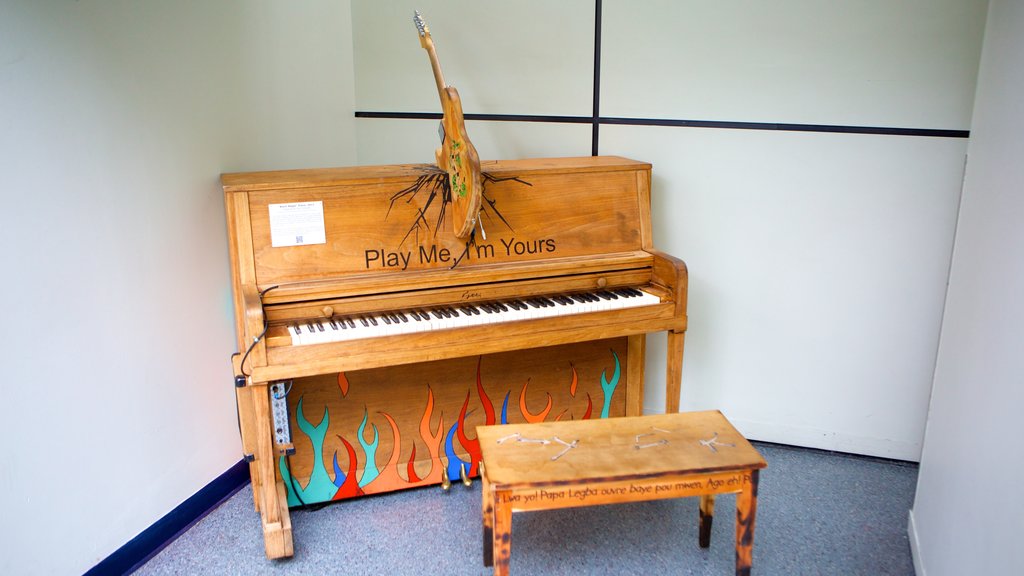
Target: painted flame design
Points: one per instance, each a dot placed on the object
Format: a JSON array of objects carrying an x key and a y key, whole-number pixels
[{"x": 321, "y": 487}]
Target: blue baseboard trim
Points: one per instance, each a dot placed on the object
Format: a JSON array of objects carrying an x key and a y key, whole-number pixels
[{"x": 164, "y": 531}]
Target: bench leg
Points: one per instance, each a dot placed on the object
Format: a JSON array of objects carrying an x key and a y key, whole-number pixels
[
  {"x": 502, "y": 540},
  {"x": 707, "y": 514},
  {"x": 746, "y": 514},
  {"x": 487, "y": 506}
]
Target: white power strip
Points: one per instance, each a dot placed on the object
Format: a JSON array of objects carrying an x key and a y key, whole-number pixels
[{"x": 279, "y": 410}]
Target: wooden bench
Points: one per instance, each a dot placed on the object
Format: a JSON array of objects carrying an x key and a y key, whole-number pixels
[{"x": 552, "y": 465}]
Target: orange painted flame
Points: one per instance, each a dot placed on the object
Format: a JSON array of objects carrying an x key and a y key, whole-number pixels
[
  {"x": 389, "y": 479},
  {"x": 432, "y": 440},
  {"x": 343, "y": 384},
  {"x": 530, "y": 416},
  {"x": 575, "y": 381}
]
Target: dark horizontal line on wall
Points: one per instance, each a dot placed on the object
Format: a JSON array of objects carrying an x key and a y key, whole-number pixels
[
  {"x": 778, "y": 126},
  {"x": 890, "y": 131},
  {"x": 486, "y": 117}
]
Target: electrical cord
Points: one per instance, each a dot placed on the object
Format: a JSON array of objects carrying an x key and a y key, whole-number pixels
[
  {"x": 257, "y": 339},
  {"x": 241, "y": 365}
]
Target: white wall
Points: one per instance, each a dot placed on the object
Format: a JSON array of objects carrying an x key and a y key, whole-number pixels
[
  {"x": 817, "y": 261},
  {"x": 967, "y": 512},
  {"x": 116, "y": 119}
]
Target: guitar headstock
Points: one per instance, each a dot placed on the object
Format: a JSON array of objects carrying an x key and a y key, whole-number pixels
[{"x": 421, "y": 27}]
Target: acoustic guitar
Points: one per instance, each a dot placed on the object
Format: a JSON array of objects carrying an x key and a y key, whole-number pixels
[{"x": 456, "y": 156}]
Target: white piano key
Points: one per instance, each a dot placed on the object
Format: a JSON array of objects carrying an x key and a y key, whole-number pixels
[{"x": 360, "y": 326}]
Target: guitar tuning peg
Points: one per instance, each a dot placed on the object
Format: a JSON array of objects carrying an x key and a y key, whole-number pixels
[
  {"x": 466, "y": 480},
  {"x": 446, "y": 484}
]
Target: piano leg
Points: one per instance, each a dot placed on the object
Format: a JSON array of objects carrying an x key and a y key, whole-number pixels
[
  {"x": 273, "y": 500},
  {"x": 246, "y": 426},
  {"x": 675, "y": 371}
]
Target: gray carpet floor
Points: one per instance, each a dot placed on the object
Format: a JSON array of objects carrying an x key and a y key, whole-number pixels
[{"x": 818, "y": 513}]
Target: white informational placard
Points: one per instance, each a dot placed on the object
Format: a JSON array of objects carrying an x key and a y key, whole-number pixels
[{"x": 297, "y": 224}]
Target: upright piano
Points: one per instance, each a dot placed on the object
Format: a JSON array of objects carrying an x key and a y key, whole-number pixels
[{"x": 372, "y": 341}]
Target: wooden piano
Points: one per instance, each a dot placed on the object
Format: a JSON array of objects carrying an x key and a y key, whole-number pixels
[{"x": 378, "y": 339}]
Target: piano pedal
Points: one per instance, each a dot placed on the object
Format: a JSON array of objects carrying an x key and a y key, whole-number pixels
[
  {"x": 446, "y": 484},
  {"x": 466, "y": 480}
]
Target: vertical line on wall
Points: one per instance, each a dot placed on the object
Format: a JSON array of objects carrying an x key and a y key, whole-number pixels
[{"x": 595, "y": 118}]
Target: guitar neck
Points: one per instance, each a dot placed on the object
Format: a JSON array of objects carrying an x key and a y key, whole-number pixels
[
  {"x": 435, "y": 65},
  {"x": 428, "y": 44}
]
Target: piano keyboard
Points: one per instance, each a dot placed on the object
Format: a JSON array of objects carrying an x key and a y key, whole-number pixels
[{"x": 355, "y": 327}]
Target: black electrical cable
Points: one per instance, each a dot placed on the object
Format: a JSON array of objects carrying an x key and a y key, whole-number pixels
[{"x": 266, "y": 325}]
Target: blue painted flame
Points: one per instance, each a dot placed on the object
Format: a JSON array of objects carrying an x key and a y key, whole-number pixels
[
  {"x": 454, "y": 462},
  {"x": 370, "y": 472},
  {"x": 320, "y": 486},
  {"x": 609, "y": 387}
]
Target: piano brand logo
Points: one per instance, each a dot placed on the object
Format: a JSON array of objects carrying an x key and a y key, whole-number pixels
[{"x": 424, "y": 255}]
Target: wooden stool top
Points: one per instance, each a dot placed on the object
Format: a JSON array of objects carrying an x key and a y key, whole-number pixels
[{"x": 639, "y": 447}]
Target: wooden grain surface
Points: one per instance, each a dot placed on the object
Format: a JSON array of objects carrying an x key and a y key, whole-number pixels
[{"x": 607, "y": 449}]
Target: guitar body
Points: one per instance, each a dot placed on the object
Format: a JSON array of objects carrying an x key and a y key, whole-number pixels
[{"x": 458, "y": 157}]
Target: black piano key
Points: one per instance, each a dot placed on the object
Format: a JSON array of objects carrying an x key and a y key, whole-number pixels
[
  {"x": 402, "y": 317},
  {"x": 333, "y": 323},
  {"x": 373, "y": 320},
  {"x": 351, "y": 323},
  {"x": 437, "y": 314},
  {"x": 602, "y": 295},
  {"x": 501, "y": 306},
  {"x": 364, "y": 321},
  {"x": 385, "y": 318},
  {"x": 297, "y": 329}
]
